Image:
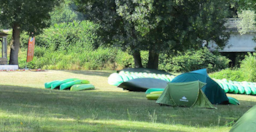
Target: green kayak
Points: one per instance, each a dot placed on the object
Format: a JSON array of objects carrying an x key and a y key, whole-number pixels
[
  {"x": 57, "y": 84},
  {"x": 49, "y": 84},
  {"x": 233, "y": 101},
  {"x": 79, "y": 87},
  {"x": 69, "y": 84},
  {"x": 154, "y": 90}
]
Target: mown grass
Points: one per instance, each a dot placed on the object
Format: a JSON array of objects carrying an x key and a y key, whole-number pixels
[{"x": 25, "y": 106}]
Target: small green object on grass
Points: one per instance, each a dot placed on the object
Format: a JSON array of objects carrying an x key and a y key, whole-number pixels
[
  {"x": 69, "y": 84},
  {"x": 233, "y": 101},
  {"x": 79, "y": 87},
  {"x": 57, "y": 84},
  {"x": 49, "y": 84}
]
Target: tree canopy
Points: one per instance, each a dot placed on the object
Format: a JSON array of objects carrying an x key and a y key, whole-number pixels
[
  {"x": 66, "y": 12},
  {"x": 157, "y": 26},
  {"x": 25, "y": 15}
]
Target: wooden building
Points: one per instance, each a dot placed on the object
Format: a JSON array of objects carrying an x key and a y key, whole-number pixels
[{"x": 238, "y": 45}]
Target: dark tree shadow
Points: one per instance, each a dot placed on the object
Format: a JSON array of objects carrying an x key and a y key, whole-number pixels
[
  {"x": 95, "y": 73},
  {"x": 112, "y": 105}
]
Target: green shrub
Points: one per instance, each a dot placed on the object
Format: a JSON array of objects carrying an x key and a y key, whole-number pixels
[
  {"x": 229, "y": 74},
  {"x": 248, "y": 67},
  {"x": 70, "y": 46},
  {"x": 193, "y": 60},
  {"x": 123, "y": 60}
]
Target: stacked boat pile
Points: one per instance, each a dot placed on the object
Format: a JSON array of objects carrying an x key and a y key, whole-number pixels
[
  {"x": 72, "y": 84},
  {"x": 129, "y": 76},
  {"x": 237, "y": 87},
  {"x": 116, "y": 79}
]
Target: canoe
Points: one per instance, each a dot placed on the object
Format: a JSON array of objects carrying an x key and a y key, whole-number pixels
[
  {"x": 57, "y": 84},
  {"x": 115, "y": 79},
  {"x": 152, "y": 96},
  {"x": 157, "y": 92},
  {"x": 69, "y": 84},
  {"x": 233, "y": 101},
  {"x": 253, "y": 89},
  {"x": 79, "y": 87},
  {"x": 49, "y": 84},
  {"x": 153, "y": 90}
]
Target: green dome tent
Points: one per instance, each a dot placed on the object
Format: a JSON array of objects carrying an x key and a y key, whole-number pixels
[
  {"x": 246, "y": 123},
  {"x": 186, "y": 94},
  {"x": 212, "y": 90}
]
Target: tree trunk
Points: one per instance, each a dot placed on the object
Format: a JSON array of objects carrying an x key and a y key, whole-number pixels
[
  {"x": 15, "y": 46},
  {"x": 137, "y": 59},
  {"x": 153, "y": 59}
]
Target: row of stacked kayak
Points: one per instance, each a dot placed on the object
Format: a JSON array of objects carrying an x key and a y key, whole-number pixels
[
  {"x": 72, "y": 84},
  {"x": 237, "y": 87},
  {"x": 116, "y": 79},
  {"x": 248, "y": 88}
]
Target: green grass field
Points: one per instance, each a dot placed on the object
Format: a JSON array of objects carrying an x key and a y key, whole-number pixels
[{"x": 25, "y": 106}]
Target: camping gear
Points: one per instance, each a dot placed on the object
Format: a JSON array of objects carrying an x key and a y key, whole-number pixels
[
  {"x": 185, "y": 94},
  {"x": 246, "y": 123},
  {"x": 71, "y": 83},
  {"x": 142, "y": 84},
  {"x": 212, "y": 90},
  {"x": 79, "y": 87}
]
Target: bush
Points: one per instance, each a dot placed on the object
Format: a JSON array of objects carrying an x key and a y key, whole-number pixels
[
  {"x": 229, "y": 74},
  {"x": 193, "y": 60},
  {"x": 248, "y": 67},
  {"x": 70, "y": 46}
]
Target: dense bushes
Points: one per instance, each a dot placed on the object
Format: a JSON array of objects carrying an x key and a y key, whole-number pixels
[
  {"x": 229, "y": 74},
  {"x": 247, "y": 72},
  {"x": 193, "y": 60},
  {"x": 248, "y": 67},
  {"x": 69, "y": 46}
]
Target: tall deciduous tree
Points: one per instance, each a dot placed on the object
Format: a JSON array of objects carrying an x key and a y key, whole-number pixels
[
  {"x": 66, "y": 12},
  {"x": 25, "y": 15},
  {"x": 157, "y": 26}
]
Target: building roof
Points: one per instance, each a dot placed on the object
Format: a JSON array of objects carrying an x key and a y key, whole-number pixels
[
  {"x": 236, "y": 43},
  {"x": 231, "y": 24},
  {"x": 2, "y": 34}
]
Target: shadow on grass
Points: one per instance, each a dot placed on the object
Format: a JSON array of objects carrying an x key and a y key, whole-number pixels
[
  {"x": 101, "y": 105},
  {"x": 77, "y": 126},
  {"x": 92, "y": 73}
]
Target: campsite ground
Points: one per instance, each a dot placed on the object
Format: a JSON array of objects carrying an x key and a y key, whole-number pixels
[{"x": 26, "y": 106}]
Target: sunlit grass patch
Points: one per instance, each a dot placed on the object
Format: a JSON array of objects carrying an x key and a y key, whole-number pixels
[{"x": 26, "y": 106}]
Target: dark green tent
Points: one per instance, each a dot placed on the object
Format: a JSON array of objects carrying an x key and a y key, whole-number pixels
[
  {"x": 247, "y": 122},
  {"x": 186, "y": 94},
  {"x": 212, "y": 90}
]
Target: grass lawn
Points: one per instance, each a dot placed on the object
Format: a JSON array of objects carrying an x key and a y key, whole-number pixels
[{"x": 25, "y": 106}]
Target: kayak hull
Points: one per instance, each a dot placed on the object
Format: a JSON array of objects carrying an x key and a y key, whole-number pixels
[{"x": 80, "y": 87}]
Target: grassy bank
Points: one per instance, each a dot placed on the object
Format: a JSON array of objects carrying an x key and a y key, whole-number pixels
[{"x": 27, "y": 107}]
